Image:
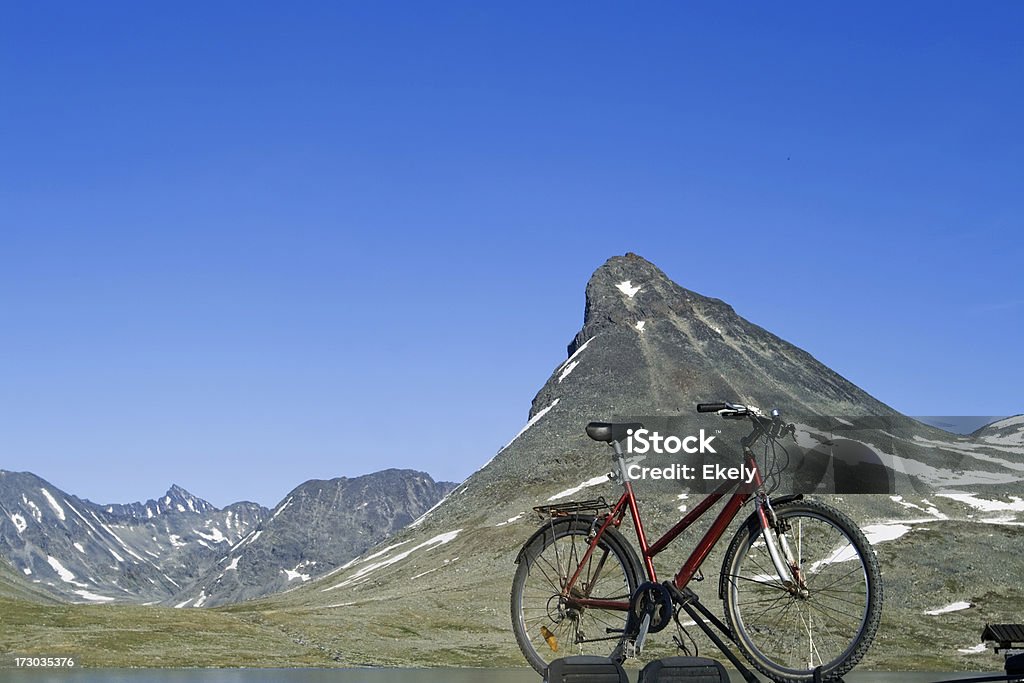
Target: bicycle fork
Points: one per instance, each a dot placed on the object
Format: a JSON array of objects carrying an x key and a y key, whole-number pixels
[{"x": 786, "y": 564}]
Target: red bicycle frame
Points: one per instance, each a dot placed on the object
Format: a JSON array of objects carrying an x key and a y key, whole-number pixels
[{"x": 628, "y": 502}]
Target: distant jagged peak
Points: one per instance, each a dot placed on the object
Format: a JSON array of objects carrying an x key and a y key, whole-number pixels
[
  {"x": 176, "y": 500},
  {"x": 179, "y": 499}
]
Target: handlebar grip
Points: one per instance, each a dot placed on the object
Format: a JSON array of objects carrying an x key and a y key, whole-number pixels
[{"x": 711, "y": 407}]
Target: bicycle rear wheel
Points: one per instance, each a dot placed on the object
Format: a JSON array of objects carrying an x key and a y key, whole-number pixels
[
  {"x": 547, "y": 626},
  {"x": 786, "y": 633}
]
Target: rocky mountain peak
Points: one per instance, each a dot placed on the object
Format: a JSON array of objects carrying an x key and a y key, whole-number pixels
[
  {"x": 180, "y": 500},
  {"x": 630, "y": 291}
]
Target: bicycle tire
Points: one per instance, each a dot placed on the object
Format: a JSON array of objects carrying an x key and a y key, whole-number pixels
[
  {"x": 534, "y": 582},
  {"x": 842, "y": 562}
]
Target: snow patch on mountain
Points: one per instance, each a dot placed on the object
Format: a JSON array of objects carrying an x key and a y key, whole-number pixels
[
  {"x": 293, "y": 574},
  {"x": 37, "y": 514},
  {"x": 931, "y": 509},
  {"x": 532, "y": 421},
  {"x": 568, "y": 370},
  {"x": 953, "y": 607},
  {"x": 627, "y": 288},
  {"x": 1015, "y": 504},
  {"x": 216, "y": 535},
  {"x": 93, "y": 597},
  {"x": 875, "y": 533},
  {"x": 63, "y": 572},
  {"x": 880, "y": 533},
  {"x": 510, "y": 519},
  {"x": 57, "y": 509},
  {"x": 19, "y": 522},
  {"x": 361, "y": 573},
  {"x": 974, "y": 649},
  {"x": 575, "y": 489},
  {"x": 576, "y": 353},
  {"x": 281, "y": 509}
]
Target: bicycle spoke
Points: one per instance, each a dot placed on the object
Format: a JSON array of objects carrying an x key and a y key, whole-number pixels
[
  {"x": 848, "y": 602},
  {"x": 775, "y": 585},
  {"x": 780, "y": 633},
  {"x": 769, "y": 607},
  {"x": 830, "y": 613},
  {"x": 852, "y": 571}
]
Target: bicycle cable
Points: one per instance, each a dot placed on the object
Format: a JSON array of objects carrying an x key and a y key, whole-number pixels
[
  {"x": 679, "y": 641},
  {"x": 773, "y": 473}
]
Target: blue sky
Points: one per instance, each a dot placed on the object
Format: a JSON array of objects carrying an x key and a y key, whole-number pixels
[{"x": 247, "y": 244}]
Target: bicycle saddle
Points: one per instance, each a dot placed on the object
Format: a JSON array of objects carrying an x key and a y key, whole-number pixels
[{"x": 611, "y": 431}]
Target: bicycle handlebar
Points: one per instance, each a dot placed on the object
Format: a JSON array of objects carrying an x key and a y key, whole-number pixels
[
  {"x": 728, "y": 410},
  {"x": 771, "y": 425}
]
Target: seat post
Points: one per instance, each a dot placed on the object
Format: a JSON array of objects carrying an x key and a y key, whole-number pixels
[{"x": 620, "y": 461}]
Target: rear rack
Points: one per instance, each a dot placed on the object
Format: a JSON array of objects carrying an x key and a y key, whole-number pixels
[{"x": 596, "y": 506}]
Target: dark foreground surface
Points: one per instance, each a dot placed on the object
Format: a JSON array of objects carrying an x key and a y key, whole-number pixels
[{"x": 364, "y": 676}]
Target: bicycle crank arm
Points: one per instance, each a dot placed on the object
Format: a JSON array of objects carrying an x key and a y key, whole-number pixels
[{"x": 645, "y": 625}]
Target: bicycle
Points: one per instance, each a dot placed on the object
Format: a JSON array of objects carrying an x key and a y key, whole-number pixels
[{"x": 800, "y": 584}]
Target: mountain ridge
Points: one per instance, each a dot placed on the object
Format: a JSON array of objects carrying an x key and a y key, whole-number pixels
[
  {"x": 71, "y": 548},
  {"x": 301, "y": 534}
]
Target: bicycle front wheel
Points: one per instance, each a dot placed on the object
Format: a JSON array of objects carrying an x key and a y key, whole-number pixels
[
  {"x": 549, "y": 625},
  {"x": 829, "y": 621}
]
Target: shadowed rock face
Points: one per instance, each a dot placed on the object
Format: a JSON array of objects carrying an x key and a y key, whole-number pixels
[
  {"x": 316, "y": 528},
  {"x": 650, "y": 348}
]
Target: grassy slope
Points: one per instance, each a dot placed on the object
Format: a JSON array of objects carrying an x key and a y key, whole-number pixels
[
  {"x": 34, "y": 624},
  {"x": 118, "y": 636}
]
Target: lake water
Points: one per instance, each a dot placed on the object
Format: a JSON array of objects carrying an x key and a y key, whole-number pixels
[{"x": 359, "y": 676}]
